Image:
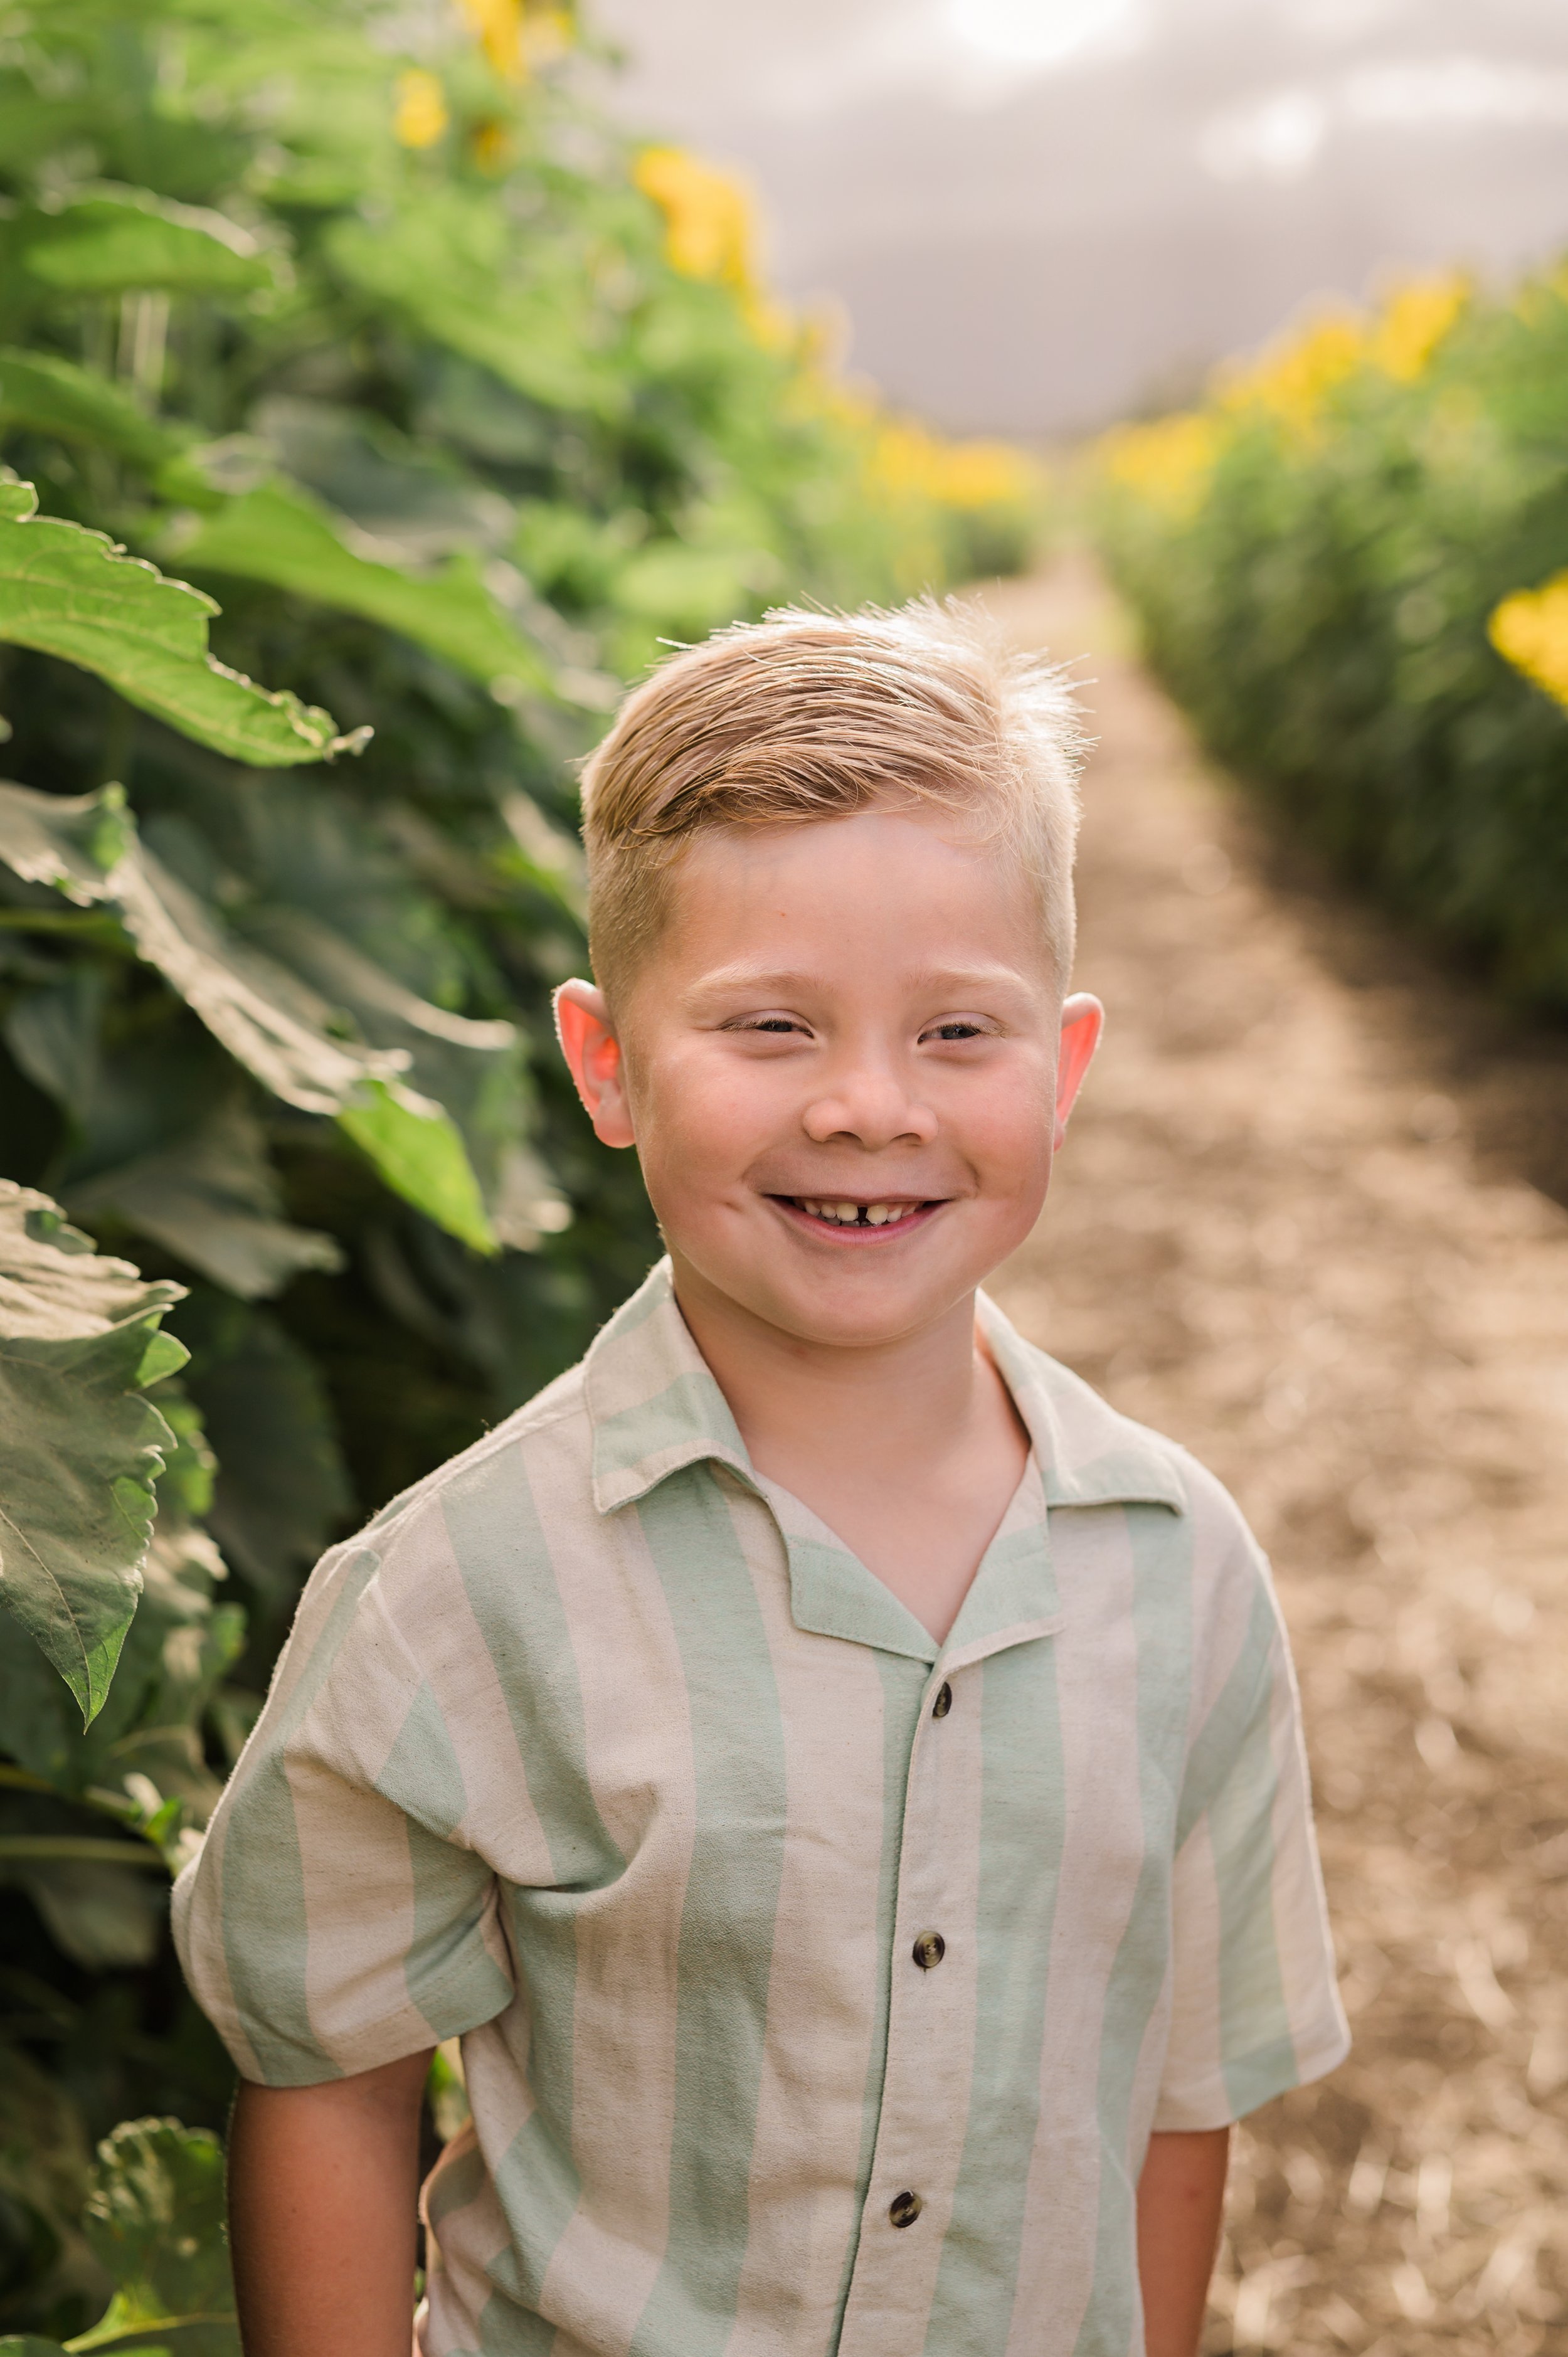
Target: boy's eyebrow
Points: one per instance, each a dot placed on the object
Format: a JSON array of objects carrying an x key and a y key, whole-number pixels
[{"x": 783, "y": 981}]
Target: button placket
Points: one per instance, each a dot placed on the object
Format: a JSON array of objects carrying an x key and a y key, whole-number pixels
[{"x": 930, "y": 2030}]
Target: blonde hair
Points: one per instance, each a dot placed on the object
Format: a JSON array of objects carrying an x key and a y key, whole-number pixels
[{"x": 810, "y": 716}]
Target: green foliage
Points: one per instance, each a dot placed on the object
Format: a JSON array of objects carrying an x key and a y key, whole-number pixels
[
  {"x": 114, "y": 241},
  {"x": 155, "y": 2220},
  {"x": 455, "y": 444},
  {"x": 1316, "y": 564},
  {"x": 153, "y": 2223},
  {"x": 285, "y": 538},
  {"x": 72, "y": 593},
  {"x": 47, "y": 2267},
  {"x": 272, "y": 1022},
  {"x": 81, "y": 1447}
]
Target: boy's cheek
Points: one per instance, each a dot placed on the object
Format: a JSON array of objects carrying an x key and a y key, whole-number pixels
[
  {"x": 1011, "y": 1141},
  {"x": 707, "y": 1113},
  {"x": 694, "y": 1155}
]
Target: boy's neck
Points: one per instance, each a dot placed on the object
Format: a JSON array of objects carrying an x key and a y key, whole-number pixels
[
  {"x": 908, "y": 1449},
  {"x": 905, "y": 1394}
]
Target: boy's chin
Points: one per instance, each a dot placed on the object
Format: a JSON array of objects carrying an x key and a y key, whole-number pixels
[{"x": 843, "y": 1309}]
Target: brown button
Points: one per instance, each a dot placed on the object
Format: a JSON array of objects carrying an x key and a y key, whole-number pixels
[
  {"x": 904, "y": 2208},
  {"x": 943, "y": 1702},
  {"x": 929, "y": 1949}
]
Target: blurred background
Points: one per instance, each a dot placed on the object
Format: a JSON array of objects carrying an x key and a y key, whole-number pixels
[
  {"x": 437, "y": 364},
  {"x": 1038, "y": 215}
]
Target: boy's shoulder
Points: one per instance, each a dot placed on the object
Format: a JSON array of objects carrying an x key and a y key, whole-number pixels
[
  {"x": 638, "y": 1398},
  {"x": 1091, "y": 1453},
  {"x": 559, "y": 1412}
]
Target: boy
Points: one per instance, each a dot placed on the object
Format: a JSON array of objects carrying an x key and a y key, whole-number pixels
[{"x": 840, "y": 1781}]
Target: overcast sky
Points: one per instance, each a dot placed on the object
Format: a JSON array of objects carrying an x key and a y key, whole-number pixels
[{"x": 1037, "y": 213}]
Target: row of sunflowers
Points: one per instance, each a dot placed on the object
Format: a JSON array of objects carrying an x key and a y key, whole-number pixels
[
  {"x": 1347, "y": 563},
  {"x": 344, "y": 348}
]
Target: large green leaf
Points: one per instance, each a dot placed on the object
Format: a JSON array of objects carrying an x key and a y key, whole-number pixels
[
  {"x": 210, "y": 1199},
  {"x": 282, "y": 1491},
  {"x": 74, "y": 593},
  {"x": 142, "y": 1764},
  {"x": 444, "y": 265},
  {"x": 269, "y": 1021},
  {"x": 275, "y": 1023},
  {"x": 71, "y": 841},
  {"x": 156, "y": 2220},
  {"x": 418, "y": 1149},
  {"x": 55, "y": 396},
  {"x": 100, "y": 1913},
  {"x": 87, "y": 847},
  {"x": 472, "y": 1069},
  {"x": 55, "y": 1033},
  {"x": 114, "y": 241},
  {"x": 297, "y": 1041},
  {"x": 410, "y": 503},
  {"x": 179, "y": 1646},
  {"x": 279, "y": 534},
  {"x": 147, "y": 1743},
  {"x": 80, "y": 1449}
]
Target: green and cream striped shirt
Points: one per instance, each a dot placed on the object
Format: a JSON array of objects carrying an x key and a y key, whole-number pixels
[{"x": 818, "y": 1985}]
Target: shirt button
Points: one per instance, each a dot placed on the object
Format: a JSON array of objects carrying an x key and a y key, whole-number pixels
[
  {"x": 943, "y": 1702},
  {"x": 929, "y": 1949},
  {"x": 904, "y": 2208}
]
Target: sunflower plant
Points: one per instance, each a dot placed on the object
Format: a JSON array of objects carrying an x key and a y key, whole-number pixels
[
  {"x": 1350, "y": 564},
  {"x": 345, "y": 349}
]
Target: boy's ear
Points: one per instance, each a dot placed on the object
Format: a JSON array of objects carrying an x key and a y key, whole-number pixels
[
  {"x": 1083, "y": 1019},
  {"x": 593, "y": 1060}
]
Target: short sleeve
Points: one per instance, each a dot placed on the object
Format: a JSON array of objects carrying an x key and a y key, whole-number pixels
[
  {"x": 335, "y": 1918},
  {"x": 1256, "y": 2004}
]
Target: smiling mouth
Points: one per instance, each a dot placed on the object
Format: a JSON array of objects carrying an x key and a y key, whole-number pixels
[{"x": 840, "y": 1212}]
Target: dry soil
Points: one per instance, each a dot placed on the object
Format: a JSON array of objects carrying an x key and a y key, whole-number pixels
[{"x": 1306, "y": 1222}]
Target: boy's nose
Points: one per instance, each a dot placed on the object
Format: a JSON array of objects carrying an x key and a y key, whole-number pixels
[{"x": 872, "y": 1108}]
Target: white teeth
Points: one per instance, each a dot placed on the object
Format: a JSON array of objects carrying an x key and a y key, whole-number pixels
[{"x": 848, "y": 1215}]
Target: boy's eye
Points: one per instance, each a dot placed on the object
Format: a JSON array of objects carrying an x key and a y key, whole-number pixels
[
  {"x": 955, "y": 1030},
  {"x": 785, "y": 1023}
]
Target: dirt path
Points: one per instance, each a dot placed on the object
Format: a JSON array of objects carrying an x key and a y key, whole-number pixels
[{"x": 1286, "y": 1231}]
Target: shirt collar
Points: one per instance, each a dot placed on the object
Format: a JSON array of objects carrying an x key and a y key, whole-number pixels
[
  {"x": 654, "y": 1407},
  {"x": 1089, "y": 1454}
]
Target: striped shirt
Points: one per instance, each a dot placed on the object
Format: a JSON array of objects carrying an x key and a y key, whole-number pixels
[{"x": 818, "y": 1985}]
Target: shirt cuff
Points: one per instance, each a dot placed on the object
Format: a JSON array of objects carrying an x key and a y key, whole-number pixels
[{"x": 1252, "y": 2080}]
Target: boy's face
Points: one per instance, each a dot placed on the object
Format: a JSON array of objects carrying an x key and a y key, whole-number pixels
[{"x": 855, "y": 1012}]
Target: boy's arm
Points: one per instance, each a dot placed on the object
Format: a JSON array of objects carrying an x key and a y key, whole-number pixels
[
  {"x": 1180, "y": 2196},
  {"x": 323, "y": 2201}
]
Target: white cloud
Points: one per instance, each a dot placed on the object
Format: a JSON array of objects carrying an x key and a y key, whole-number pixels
[
  {"x": 1280, "y": 135},
  {"x": 1415, "y": 91},
  {"x": 1036, "y": 34},
  {"x": 1330, "y": 21},
  {"x": 1274, "y": 138}
]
